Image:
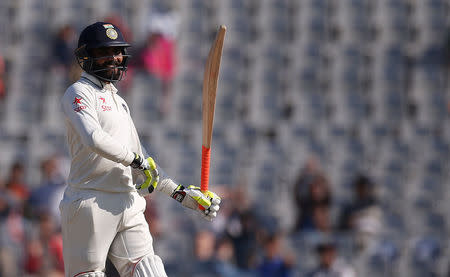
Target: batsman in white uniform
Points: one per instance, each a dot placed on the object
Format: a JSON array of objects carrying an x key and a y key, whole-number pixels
[{"x": 102, "y": 209}]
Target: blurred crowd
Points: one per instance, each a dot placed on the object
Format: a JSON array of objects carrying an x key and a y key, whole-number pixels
[
  {"x": 239, "y": 243},
  {"x": 242, "y": 241},
  {"x": 328, "y": 236},
  {"x": 31, "y": 242}
]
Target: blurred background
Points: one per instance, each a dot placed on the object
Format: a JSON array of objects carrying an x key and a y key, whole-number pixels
[{"x": 331, "y": 142}]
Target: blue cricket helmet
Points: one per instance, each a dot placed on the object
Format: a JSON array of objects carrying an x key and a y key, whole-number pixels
[{"x": 98, "y": 35}]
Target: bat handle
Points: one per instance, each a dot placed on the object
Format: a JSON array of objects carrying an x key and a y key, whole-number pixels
[{"x": 206, "y": 159}]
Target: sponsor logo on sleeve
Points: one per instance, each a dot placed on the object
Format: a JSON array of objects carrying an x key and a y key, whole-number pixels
[
  {"x": 77, "y": 100},
  {"x": 78, "y": 106}
]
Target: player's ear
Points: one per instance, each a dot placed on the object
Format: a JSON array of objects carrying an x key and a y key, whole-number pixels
[{"x": 81, "y": 52}]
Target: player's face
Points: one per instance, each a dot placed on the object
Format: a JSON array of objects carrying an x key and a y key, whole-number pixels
[{"x": 108, "y": 58}]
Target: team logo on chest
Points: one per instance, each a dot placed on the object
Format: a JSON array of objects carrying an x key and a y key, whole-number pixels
[{"x": 104, "y": 107}]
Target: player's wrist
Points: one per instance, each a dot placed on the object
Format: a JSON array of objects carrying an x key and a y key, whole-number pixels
[
  {"x": 167, "y": 186},
  {"x": 137, "y": 161},
  {"x": 179, "y": 194}
]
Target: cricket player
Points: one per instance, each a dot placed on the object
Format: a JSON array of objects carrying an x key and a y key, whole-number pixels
[{"x": 102, "y": 208}]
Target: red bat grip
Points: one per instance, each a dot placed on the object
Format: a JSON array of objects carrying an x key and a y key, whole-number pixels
[
  {"x": 206, "y": 158},
  {"x": 204, "y": 179}
]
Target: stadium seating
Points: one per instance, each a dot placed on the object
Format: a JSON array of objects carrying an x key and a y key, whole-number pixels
[{"x": 359, "y": 84}]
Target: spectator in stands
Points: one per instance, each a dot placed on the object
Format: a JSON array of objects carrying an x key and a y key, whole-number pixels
[
  {"x": 329, "y": 264},
  {"x": 46, "y": 196},
  {"x": 7, "y": 258},
  {"x": 15, "y": 184},
  {"x": 6, "y": 202},
  {"x": 307, "y": 173},
  {"x": 275, "y": 262},
  {"x": 204, "y": 246},
  {"x": 44, "y": 254},
  {"x": 243, "y": 229},
  {"x": 62, "y": 53},
  {"x": 225, "y": 260},
  {"x": 214, "y": 256},
  {"x": 321, "y": 225},
  {"x": 363, "y": 214},
  {"x": 158, "y": 59},
  {"x": 318, "y": 193},
  {"x": 15, "y": 231},
  {"x": 321, "y": 219},
  {"x": 62, "y": 47}
]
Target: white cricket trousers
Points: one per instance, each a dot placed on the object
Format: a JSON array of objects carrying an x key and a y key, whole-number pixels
[{"x": 97, "y": 225}]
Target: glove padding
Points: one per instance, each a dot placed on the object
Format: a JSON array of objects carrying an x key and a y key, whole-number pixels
[
  {"x": 191, "y": 197},
  {"x": 140, "y": 163},
  {"x": 152, "y": 177}
]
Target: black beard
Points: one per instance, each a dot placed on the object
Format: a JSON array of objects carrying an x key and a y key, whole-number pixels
[{"x": 106, "y": 72}]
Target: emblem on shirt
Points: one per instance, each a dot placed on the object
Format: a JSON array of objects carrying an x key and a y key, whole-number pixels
[
  {"x": 77, "y": 100},
  {"x": 78, "y": 105},
  {"x": 103, "y": 100}
]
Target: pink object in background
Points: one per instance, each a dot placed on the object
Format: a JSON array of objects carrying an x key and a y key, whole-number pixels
[{"x": 158, "y": 57}]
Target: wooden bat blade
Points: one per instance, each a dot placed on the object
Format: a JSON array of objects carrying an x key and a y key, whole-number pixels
[{"x": 210, "y": 80}]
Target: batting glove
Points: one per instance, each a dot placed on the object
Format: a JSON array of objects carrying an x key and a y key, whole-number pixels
[
  {"x": 148, "y": 166},
  {"x": 139, "y": 162},
  {"x": 191, "y": 197}
]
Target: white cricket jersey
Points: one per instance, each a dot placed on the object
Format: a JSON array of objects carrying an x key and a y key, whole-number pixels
[{"x": 101, "y": 136}]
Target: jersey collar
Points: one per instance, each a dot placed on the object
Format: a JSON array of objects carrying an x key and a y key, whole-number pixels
[{"x": 102, "y": 85}]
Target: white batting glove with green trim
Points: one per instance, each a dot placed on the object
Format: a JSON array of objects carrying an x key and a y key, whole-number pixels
[
  {"x": 152, "y": 177},
  {"x": 191, "y": 197}
]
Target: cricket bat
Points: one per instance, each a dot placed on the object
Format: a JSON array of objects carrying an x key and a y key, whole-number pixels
[{"x": 210, "y": 79}]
